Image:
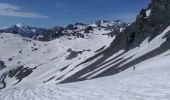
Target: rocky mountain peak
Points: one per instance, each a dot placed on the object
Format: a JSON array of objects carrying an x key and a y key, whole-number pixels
[
  {"x": 149, "y": 23},
  {"x": 76, "y": 30},
  {"x": 75, "y": 26}
]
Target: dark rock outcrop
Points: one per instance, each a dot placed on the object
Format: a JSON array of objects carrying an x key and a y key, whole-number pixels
[
  {"x": 18, "y": 73},
  {"x": 2, "y": 65},
  {"x": 143, "y": 28}
]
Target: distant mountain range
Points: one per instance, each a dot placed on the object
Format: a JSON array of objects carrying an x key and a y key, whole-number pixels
[{"x": 75, "y": 30}]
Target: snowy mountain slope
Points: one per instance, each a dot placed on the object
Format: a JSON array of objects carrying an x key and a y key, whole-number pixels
[
  {"x": 23, "y": 58},
  {"x": 23, "y": 62},
  {"x": 150, "y": 81},
  {"x": 143, "y": 39},
  {"x": 120, "y": 60},
  {"x": 26, "y": 59},
  {"x": 138, "y": 57}
]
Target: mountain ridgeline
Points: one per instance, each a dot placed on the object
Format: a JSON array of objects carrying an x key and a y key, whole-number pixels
[
  {"x": 78, "y": 30},
  {"x": 63, "y": 48}
]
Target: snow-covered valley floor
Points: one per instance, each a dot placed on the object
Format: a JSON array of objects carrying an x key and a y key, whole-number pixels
[{"x": 150, "y": 81}]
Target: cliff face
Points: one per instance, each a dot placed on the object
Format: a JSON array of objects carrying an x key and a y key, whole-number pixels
[{"x": 149, "y": 23}]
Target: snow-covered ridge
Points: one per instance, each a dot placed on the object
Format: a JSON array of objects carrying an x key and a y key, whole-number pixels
[
  {"x": 77, "y": 30},
  {"x": 21, "y": 25},
  {"x": 3, "y": 27}
]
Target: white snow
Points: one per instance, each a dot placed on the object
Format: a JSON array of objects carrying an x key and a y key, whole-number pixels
[
  {"x": 150, "y": 81},
  {"x": 33, "y": 30},
  {"x": 131, "y": 55},
  {"x": 21, "y": 25},
  {"x": 148, "y": 12},
  {"x": 50, "y": 56}
]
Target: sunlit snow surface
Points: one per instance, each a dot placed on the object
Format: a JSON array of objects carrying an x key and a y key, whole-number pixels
[
  {"x": 148, "y": 12},
  {"x": 48, "y": 56},
  {"x": 149, "y": 80}
]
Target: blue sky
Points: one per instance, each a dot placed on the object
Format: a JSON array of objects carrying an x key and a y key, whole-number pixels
[{"x": 48, "y": 13}]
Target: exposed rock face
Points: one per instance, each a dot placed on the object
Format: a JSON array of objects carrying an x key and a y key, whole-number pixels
[
  {"x": 153, "y": 25},
  {"x": 2, "y": 65},
  {"x": 88, "y": 29},
  {"x": 150, "y": 23},
  {"x": 74, "y": 54},
  {"x": 19, "y": 73}
]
